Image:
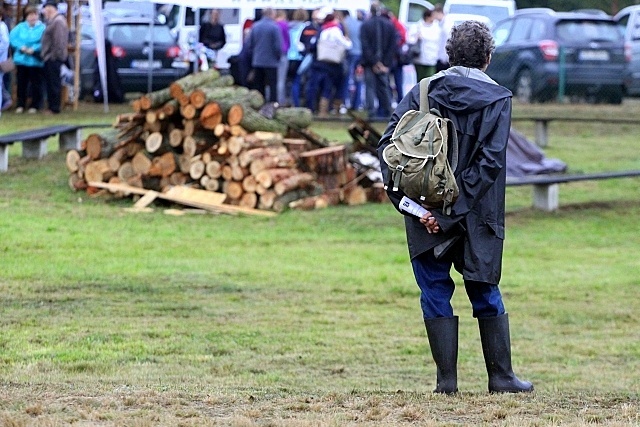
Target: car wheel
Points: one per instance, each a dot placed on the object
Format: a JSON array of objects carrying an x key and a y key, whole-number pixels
[
  {"x": 615, "y": 96},
  {"x": 524, "y": 87}
]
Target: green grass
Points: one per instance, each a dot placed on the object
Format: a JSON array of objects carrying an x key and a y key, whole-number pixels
[{"x": 308, "y": 318}]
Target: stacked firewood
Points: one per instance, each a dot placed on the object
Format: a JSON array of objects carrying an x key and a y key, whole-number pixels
[{"x": 206, "y": 133}]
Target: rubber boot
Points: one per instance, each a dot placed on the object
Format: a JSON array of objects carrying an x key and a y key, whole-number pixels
[
  {"x": 443, "y": 340},
  {"x": 323, "y": 107},
  {"x": 496, "y": 347}
]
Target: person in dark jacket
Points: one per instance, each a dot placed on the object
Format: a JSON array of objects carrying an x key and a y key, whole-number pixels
[
  {"x": 212, "y": 33},
  {"x": 265, "y": 45},
  {"x": 378, "y": 38},
  {"x": 55, "y": 41},
  {"x": 471, "y": 237}
]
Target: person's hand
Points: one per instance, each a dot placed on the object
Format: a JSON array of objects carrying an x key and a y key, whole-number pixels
[{"x": 430, "y": 223}]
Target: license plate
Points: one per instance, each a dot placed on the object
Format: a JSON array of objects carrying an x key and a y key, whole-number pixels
[
  {"x": 145, "y": 65},
  {"x": 593, "y": 55}
]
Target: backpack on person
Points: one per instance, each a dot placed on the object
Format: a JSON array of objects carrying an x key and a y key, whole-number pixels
[{"x": 417, "y": 156}]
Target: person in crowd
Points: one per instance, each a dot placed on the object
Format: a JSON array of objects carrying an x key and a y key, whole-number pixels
[
  {"x": 55, "y": 41},
  {"x": 309, "y": 38},
  {"x": 471, "y": 237},
  {"x": 331, "y": 52},
  {"x": 26, "y": 41},
  {"x": 378, "y": 38},
  {"x": 396, "y": 70},
  {"x": 445, "y": 30},
  {"x": 4, "y": 55},
  {"x": 265, "y": 45},
  {"x": 212, "y": 34},
  {"x": 283, "y": 66},
  {"x": 352, "y": 27},
  {"x": 295, "y": 52},
  {"x": 428, "y": 33}
]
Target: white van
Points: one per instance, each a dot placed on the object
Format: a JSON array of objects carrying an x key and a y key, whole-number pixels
[
  {"x": 493, "y": 10},
  {"x": 629, "y": 21},
  {"x": 236, "y": 15}
]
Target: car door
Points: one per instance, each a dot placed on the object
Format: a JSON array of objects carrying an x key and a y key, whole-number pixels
[
  {"x": 629, "y": 21},
  {"x": 499, "y": 67}
]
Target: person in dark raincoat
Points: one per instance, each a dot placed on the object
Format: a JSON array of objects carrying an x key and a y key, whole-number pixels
[{"x": 471, "y": 237}]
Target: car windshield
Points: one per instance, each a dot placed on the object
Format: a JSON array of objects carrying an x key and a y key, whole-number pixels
[
  {"x": 494, "y": 13},
  {"x": 132, "y": 33},
  {"x": 588, "y": 31}
]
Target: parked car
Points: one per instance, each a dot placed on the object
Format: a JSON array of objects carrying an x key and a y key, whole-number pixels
[
  {"x": 629, "y": 21},
  {"x": 131, "y": 40},
  {"x": 539, "y": 51}
]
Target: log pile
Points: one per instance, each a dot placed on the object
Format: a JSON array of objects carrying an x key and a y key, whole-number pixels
[{"x": 206, "y": 133}]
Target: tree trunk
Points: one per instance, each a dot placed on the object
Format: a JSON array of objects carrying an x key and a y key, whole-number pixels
[
  {"x": 248, "y": 156},
  {"x": 296, "y": 181},
  {"x": 116, "y": 159},
  {"x": 98, "y": 171},
  {"x": 284, "y": 160},
  {"x": 211, "y": 115},
  {"x": 233, "y": 189},
  {"x": 214, "y": 169},
  {"x": 253, "y": 121},
  {"x": 157, "y": 143},
  {"x": 249, "y": 200},
  {"x": 163, "y": 165},
  {"x": 269, "y": 177},
  {"x": 71, "y": 160},
  {"x": 191, "y": 82},
  {"x": 296, "y": 117},
  {"x": 155, "y": 99},
  {"x": 141, "y": 163},
  {"x": 196, "y": 170},
  {"x": 102, "y": 145}
]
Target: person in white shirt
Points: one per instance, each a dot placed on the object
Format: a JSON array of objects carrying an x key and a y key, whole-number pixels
[{"x": 428, "y": 33}]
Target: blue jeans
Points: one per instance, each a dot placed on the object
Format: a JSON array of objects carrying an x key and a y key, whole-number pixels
[
  {"x": 355, "y": 101},
  {"x": 436, "y": 286}
]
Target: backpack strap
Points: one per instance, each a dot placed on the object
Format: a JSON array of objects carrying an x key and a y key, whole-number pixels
[{"x": 424, "y": 94}]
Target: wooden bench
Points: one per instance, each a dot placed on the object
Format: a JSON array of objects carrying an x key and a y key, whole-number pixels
[
  {"x": 546, "y": 189},
  {"x": 542, "y": 124},
  {"x": 34, "y": 141}
]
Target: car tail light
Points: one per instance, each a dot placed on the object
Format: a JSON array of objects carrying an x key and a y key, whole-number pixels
[
  {"x": 173, "y": 52},
  {"x": 549, "y": 49},
  {"x": 627, "y": 52},
  {"x": 118, "y": 52}
]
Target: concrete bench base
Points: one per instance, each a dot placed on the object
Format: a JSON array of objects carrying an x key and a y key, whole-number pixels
[{"x": 546, "y": 188}]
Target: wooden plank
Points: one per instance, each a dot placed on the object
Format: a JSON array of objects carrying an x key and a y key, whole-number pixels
[
  {"x": 114, "y": 188},
  {"x": 195, "y": 195},
  {"x": 189, "y": 197},
  {"x": 146, "y": 200}
]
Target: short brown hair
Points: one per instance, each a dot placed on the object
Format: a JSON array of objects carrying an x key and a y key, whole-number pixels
[
  {"x": 29, "y": 10},
  {"x": 470, "y": 45},
  {"x": 300, "y": 15}
]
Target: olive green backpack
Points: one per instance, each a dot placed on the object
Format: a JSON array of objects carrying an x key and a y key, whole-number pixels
[{"x": 417, "y": 156}]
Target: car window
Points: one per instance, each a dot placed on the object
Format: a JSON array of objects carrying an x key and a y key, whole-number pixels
[
  {"x": 501, "y": 32},
  {"x": 538, "y": 30},
  {"x": 520, "y": 30},
  {"x": 494, "y": 13},
  {"x": 586, "y": 31},
  {"x": 415, "y": 12},
  {"x": 126, "y": 33}
]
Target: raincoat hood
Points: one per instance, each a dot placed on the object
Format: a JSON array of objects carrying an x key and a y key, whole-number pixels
[{"x": 466, "y": 90}]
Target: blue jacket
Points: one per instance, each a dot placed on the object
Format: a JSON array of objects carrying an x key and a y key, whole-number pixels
[
  {"x": 25, "y": 35},
  {"x": 265, "y": 44}
]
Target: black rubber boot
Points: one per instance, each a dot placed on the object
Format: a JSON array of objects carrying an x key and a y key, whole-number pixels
[
  {"x": 443, "y": 340},
  {"x": 496, "y": 347}
]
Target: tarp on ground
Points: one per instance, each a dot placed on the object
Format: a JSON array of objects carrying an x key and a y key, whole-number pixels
[{"x": 525, "y": 158}]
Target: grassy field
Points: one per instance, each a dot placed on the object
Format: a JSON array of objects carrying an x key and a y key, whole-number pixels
[{"x": 309, "y": 318}]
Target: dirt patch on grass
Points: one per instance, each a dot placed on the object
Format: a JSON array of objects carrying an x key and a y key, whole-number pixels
[{"x": 34, "y": 406}]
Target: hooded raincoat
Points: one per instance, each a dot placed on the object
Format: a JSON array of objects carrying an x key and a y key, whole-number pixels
[{"x": 481, "y": 112}]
